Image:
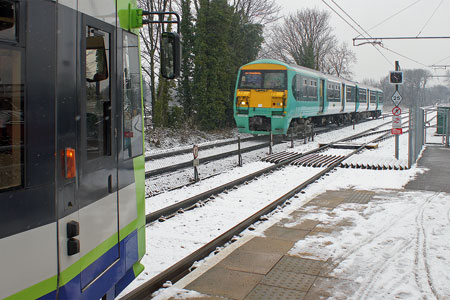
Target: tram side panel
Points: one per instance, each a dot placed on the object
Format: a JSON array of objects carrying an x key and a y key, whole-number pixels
[
  {"x": 28, "y": 228},
  {"x": 50, "y": 77}
]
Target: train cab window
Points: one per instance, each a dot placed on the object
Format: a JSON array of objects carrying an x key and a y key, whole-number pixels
[
  {"x": 8, "y": 28},
  {"x": 132, "y": 111},
  {"x": 250, "y": 80},
  {"x": 264, "y": 79},
  {"x": 11, "y": 118},
  {"x": 98, "y": 93},
  {"x": 275, "y": 80}
]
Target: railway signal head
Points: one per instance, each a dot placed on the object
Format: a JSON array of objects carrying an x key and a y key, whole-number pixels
[{"x": 396, "y": 77}]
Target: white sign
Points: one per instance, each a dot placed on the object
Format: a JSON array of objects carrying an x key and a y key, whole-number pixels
[
  {"x": 195, "y": 151},
  {"x": 396, "y": 122},
  {"x": 196, "y": 162},
  {"x": 396, "y": 98}
]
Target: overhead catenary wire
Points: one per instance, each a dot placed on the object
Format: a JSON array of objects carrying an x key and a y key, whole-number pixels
[
  {"x": 429, "y": 19},
  {"x": 368, "y": 39},
  {"x": 404, "y": 56},
  {"x": 445, "y": 58},
  {"x": 388, "y": 61}
]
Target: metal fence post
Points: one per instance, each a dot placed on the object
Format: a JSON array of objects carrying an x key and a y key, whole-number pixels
[
  {"x": 271, "y": 143},
  {"x": 447, "y": 131},
  {"x": 292, "y": 138},
  {"x": 239, "y": 152},
  {"x": 410, "y": 142},
  {"x": 424, "y": 127}
]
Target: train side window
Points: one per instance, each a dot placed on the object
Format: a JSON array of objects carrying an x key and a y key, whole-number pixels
[
  {"x": 305, "y": 89},
  {"x": 349, "y": 94},
  {"x": 11, "y": 118},
  {"x": 132, "y": 109},
  {"x": 373, "y": 97},
  {"x": 98, "y": 93},
  {"x": 8, "y": 27},
  {"x": 294, "y": 87}
]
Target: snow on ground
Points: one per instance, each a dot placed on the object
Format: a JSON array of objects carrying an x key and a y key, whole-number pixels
[
  {"x": 396, "y": 248},
  {"x": 409, "y": 260}
]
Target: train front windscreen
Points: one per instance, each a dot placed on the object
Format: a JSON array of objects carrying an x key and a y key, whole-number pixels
[{"x": 263, "y": 79}]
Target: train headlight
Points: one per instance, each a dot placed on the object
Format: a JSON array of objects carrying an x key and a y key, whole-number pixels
[{"x": 243, "y": 103}]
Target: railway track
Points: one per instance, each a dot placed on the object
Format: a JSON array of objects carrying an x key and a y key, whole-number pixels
[
  {"x": 186, "y": 162},
  {"x": 181, "y": 268}
]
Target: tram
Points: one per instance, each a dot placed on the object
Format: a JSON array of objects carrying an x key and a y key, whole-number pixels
[{"x": 72, "y": 216}]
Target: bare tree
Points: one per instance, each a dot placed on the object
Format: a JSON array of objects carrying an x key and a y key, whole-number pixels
[
  {"x": 304, "y": 38},
  {"x": 257, "y": 11},
  {"x": 338, "y": 61},
  {"x": 415, "y": 81},
  {"x": 150, "y": 39}
]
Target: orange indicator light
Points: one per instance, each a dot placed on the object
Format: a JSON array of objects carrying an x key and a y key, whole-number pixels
[{"x": 70, "y": 163}]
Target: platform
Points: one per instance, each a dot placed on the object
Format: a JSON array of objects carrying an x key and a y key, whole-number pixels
[{"x": 266, "y": 267}]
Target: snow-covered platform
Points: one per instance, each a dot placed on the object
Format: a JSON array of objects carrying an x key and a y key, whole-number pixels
[{"x": 344, "y": 244}]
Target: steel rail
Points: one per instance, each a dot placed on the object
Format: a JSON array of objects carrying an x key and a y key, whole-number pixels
[
  {"x": 181, "y": 268},
  {"x": 187, "y": 164},
  {"x": 201, "y": 147},
  {"x": 190, "y": 202}
]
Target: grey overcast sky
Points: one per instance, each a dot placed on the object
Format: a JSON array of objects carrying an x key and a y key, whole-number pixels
[{"x": 417, "y": 18}]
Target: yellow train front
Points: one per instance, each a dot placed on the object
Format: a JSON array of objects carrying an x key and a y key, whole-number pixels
[
  {"x": 272, "y": 96},
  {"x": 260, "y": 99}
]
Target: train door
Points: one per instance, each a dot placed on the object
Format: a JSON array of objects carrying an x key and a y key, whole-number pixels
[
  {"x": 97, "y": 139},
  {"x": 322, "y": 95},
  {"x": 343, "y": 97}
]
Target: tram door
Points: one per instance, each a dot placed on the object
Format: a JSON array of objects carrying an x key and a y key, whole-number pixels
[
  {"x": 322, "y": 95},
  {"x": 97, "y": 173}
]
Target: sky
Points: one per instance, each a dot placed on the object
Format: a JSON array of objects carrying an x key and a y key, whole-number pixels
[{"x": 418, "y": 18}]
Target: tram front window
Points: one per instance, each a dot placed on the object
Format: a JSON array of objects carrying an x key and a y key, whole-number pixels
[
  {"x": 98, "y": 94},
  {"x": 11, "y": 119}
]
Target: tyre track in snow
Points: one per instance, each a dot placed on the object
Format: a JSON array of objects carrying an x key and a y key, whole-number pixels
[
  {"x": 364, "y": 292},
  {"x": 336, "y": 262},
  {"x": 420, "y": 256}
]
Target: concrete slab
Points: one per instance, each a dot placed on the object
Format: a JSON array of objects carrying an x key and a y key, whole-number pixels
[
  {"x": 289, "y": 280},
  {"x": 324, "y": 288},
  {"x": 304, "y": 224},
  {"x": 267, "y": 245},
  {"x": 223, "y": 282},
  {"x": 285, "y": 233},
  {"x": 183, "y": 297},
  {"x": 267, "y": 292},
  {"x": 299, "y": 265},
  {"x": 251, "y": 262},
  {"x": 330, "y": 202},
  {"x": 437, "y": 160}
]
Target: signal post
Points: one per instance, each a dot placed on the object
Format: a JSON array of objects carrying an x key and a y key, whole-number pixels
[{"x": 396, "y": 77}]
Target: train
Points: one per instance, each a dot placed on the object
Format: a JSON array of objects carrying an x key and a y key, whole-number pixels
[
  {"x": 72, "y": 175},
  {"x": 273, "y": 97}
]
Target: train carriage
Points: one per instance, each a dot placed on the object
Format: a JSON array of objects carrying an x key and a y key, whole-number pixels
[
  {"x": 272, "y": 96},
  {"x": 72, "y": 216}
]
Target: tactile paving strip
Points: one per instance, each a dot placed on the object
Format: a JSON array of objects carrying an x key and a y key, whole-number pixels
[
  {"x": 360, "y": 197},
  {"x": 299, "y": 265},
  {"x": 289, "y": 280},
  {"x": 266, "y": 292}
]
